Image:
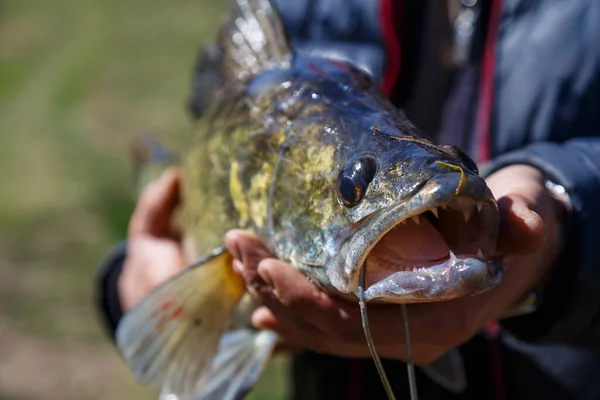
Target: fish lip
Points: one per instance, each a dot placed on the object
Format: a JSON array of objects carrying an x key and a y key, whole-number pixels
[
  {"x": 448, "y": 280},
  {"x": 437, "y": 191}
]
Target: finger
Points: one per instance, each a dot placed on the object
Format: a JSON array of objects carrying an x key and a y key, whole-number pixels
[
  {"x": 154, "y": 211},
  {"x": 298, "y": 337},
  {"x": 294, "y": 335},
  {"x": 298, "y": 333},
  {"x": 322, "y": 323},
  {"x": 296, "y": 302},
  {"x": 303, "y": 313},
  {"x": 522, "y": 230},
  {"x": 248, "y": 250},
  {"x": 294, "y": 297},
  {"x": 301, "y": 334}
]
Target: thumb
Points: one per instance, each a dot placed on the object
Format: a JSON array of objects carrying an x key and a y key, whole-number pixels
[{"x": 522, "y": 230}]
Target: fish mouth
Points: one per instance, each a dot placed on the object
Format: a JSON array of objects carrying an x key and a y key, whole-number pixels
[{"x": 436, "y": 246}]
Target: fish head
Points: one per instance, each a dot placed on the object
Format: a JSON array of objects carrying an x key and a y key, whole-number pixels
[
  {"x": 423, "y": 223},
  {"x": 358, "y": 186}
]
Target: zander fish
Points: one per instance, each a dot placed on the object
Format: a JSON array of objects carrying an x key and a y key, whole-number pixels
[{"x": 308, "y": 154}]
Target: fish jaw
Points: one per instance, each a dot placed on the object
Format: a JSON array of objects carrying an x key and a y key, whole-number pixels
[
  {"x": 461, "y": 209},
  {"x": 451, "y": 279}
]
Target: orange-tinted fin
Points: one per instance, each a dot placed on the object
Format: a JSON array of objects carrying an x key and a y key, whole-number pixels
[{"x": 172, "y": 336}]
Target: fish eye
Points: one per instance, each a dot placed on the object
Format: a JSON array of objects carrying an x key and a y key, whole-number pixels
[
  {"x": 354, "y": 180},
  {"x": 465, "y": 159}
]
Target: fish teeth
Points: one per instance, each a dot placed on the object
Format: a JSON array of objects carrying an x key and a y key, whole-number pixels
[
  {"x": 444, "y": 206},
  {"x": 403, "y": 222},
  {"x": 434, "y": 211},
  {"x": 479, "y": 252},
  {"x": 479, "y": 207},
  {"x": 452, "y": 256},
  {"x": 467, "y": 214},
  {"x": 415, "y": 218}
]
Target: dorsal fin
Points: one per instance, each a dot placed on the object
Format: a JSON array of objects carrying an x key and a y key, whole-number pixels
[{"x": 253, "y": 40}]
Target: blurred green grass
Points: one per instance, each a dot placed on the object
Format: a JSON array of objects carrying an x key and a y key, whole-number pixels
[{"x": 79, "y": 78}]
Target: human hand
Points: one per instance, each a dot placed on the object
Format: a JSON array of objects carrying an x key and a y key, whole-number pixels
[
  {"x": 306, "y": 316},
  {"x": 154, "y": 251},
  {"x": 531, "y": 228}
]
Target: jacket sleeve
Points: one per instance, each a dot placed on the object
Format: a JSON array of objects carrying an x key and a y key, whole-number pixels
[
  {"x": 108, "y": 303},
  {"x": 569, "y": 311}
]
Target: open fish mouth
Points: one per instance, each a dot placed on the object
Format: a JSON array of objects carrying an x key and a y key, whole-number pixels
[{"x": 437, "y": 246}]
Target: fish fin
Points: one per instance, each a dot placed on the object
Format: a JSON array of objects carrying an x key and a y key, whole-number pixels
[
  {"x": 448, "y": 371},
  {"x": 253, "y": 40},
  {"x": 242, "y": 356},
  {"x": 170, "y": 338},
  {"x": 207, "y": 79},
  {"x": 149, "y": 158}
]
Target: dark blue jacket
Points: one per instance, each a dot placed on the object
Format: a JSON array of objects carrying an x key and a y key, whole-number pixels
[{"x": 529, "y": 93}]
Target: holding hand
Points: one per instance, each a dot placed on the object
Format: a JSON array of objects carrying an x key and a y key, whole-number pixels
[
  {"x": 154, "y": 251},
  {"x": 306, "y": 316}
]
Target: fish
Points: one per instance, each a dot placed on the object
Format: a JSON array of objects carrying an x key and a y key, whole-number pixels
[{"x": 308, "y": 154}]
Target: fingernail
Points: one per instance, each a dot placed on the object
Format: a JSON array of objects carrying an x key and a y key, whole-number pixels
[
  {"x": 238, "y": 266},
  {"x": 259, "y": 316},
  {"x": 235, "y": 252},
  {"x": 264, "y": 274}
]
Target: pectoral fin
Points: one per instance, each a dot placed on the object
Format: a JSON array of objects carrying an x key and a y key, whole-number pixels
[
  {"x": 242, "y": 356},
  {"x": 171, "y": 337}
]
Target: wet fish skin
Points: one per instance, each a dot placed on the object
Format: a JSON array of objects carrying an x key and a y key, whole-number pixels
[
  {"x": 309, "y": 155},
  {"x": 269, "y": 160}
]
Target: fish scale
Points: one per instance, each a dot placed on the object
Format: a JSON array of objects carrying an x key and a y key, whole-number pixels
[{"x": 310, "y": 156}]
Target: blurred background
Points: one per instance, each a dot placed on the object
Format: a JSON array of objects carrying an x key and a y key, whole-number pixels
[{"x": 78, "y": 79}]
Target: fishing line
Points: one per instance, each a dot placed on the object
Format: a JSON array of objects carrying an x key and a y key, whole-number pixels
[
  {"x": 370, "y": 343},
  {"x": 410, "y": 365}
]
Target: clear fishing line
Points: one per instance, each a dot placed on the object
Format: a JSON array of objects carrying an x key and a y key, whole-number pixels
[
  {"x": 410, "y": 365},
  {"x": 370, "y": 343},
  {"x": 412, "y": 382}
]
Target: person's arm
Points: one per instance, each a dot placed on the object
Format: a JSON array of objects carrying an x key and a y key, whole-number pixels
[
  {"x": 569, "y": 307},
  {"x": 107, "y": 299}
]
